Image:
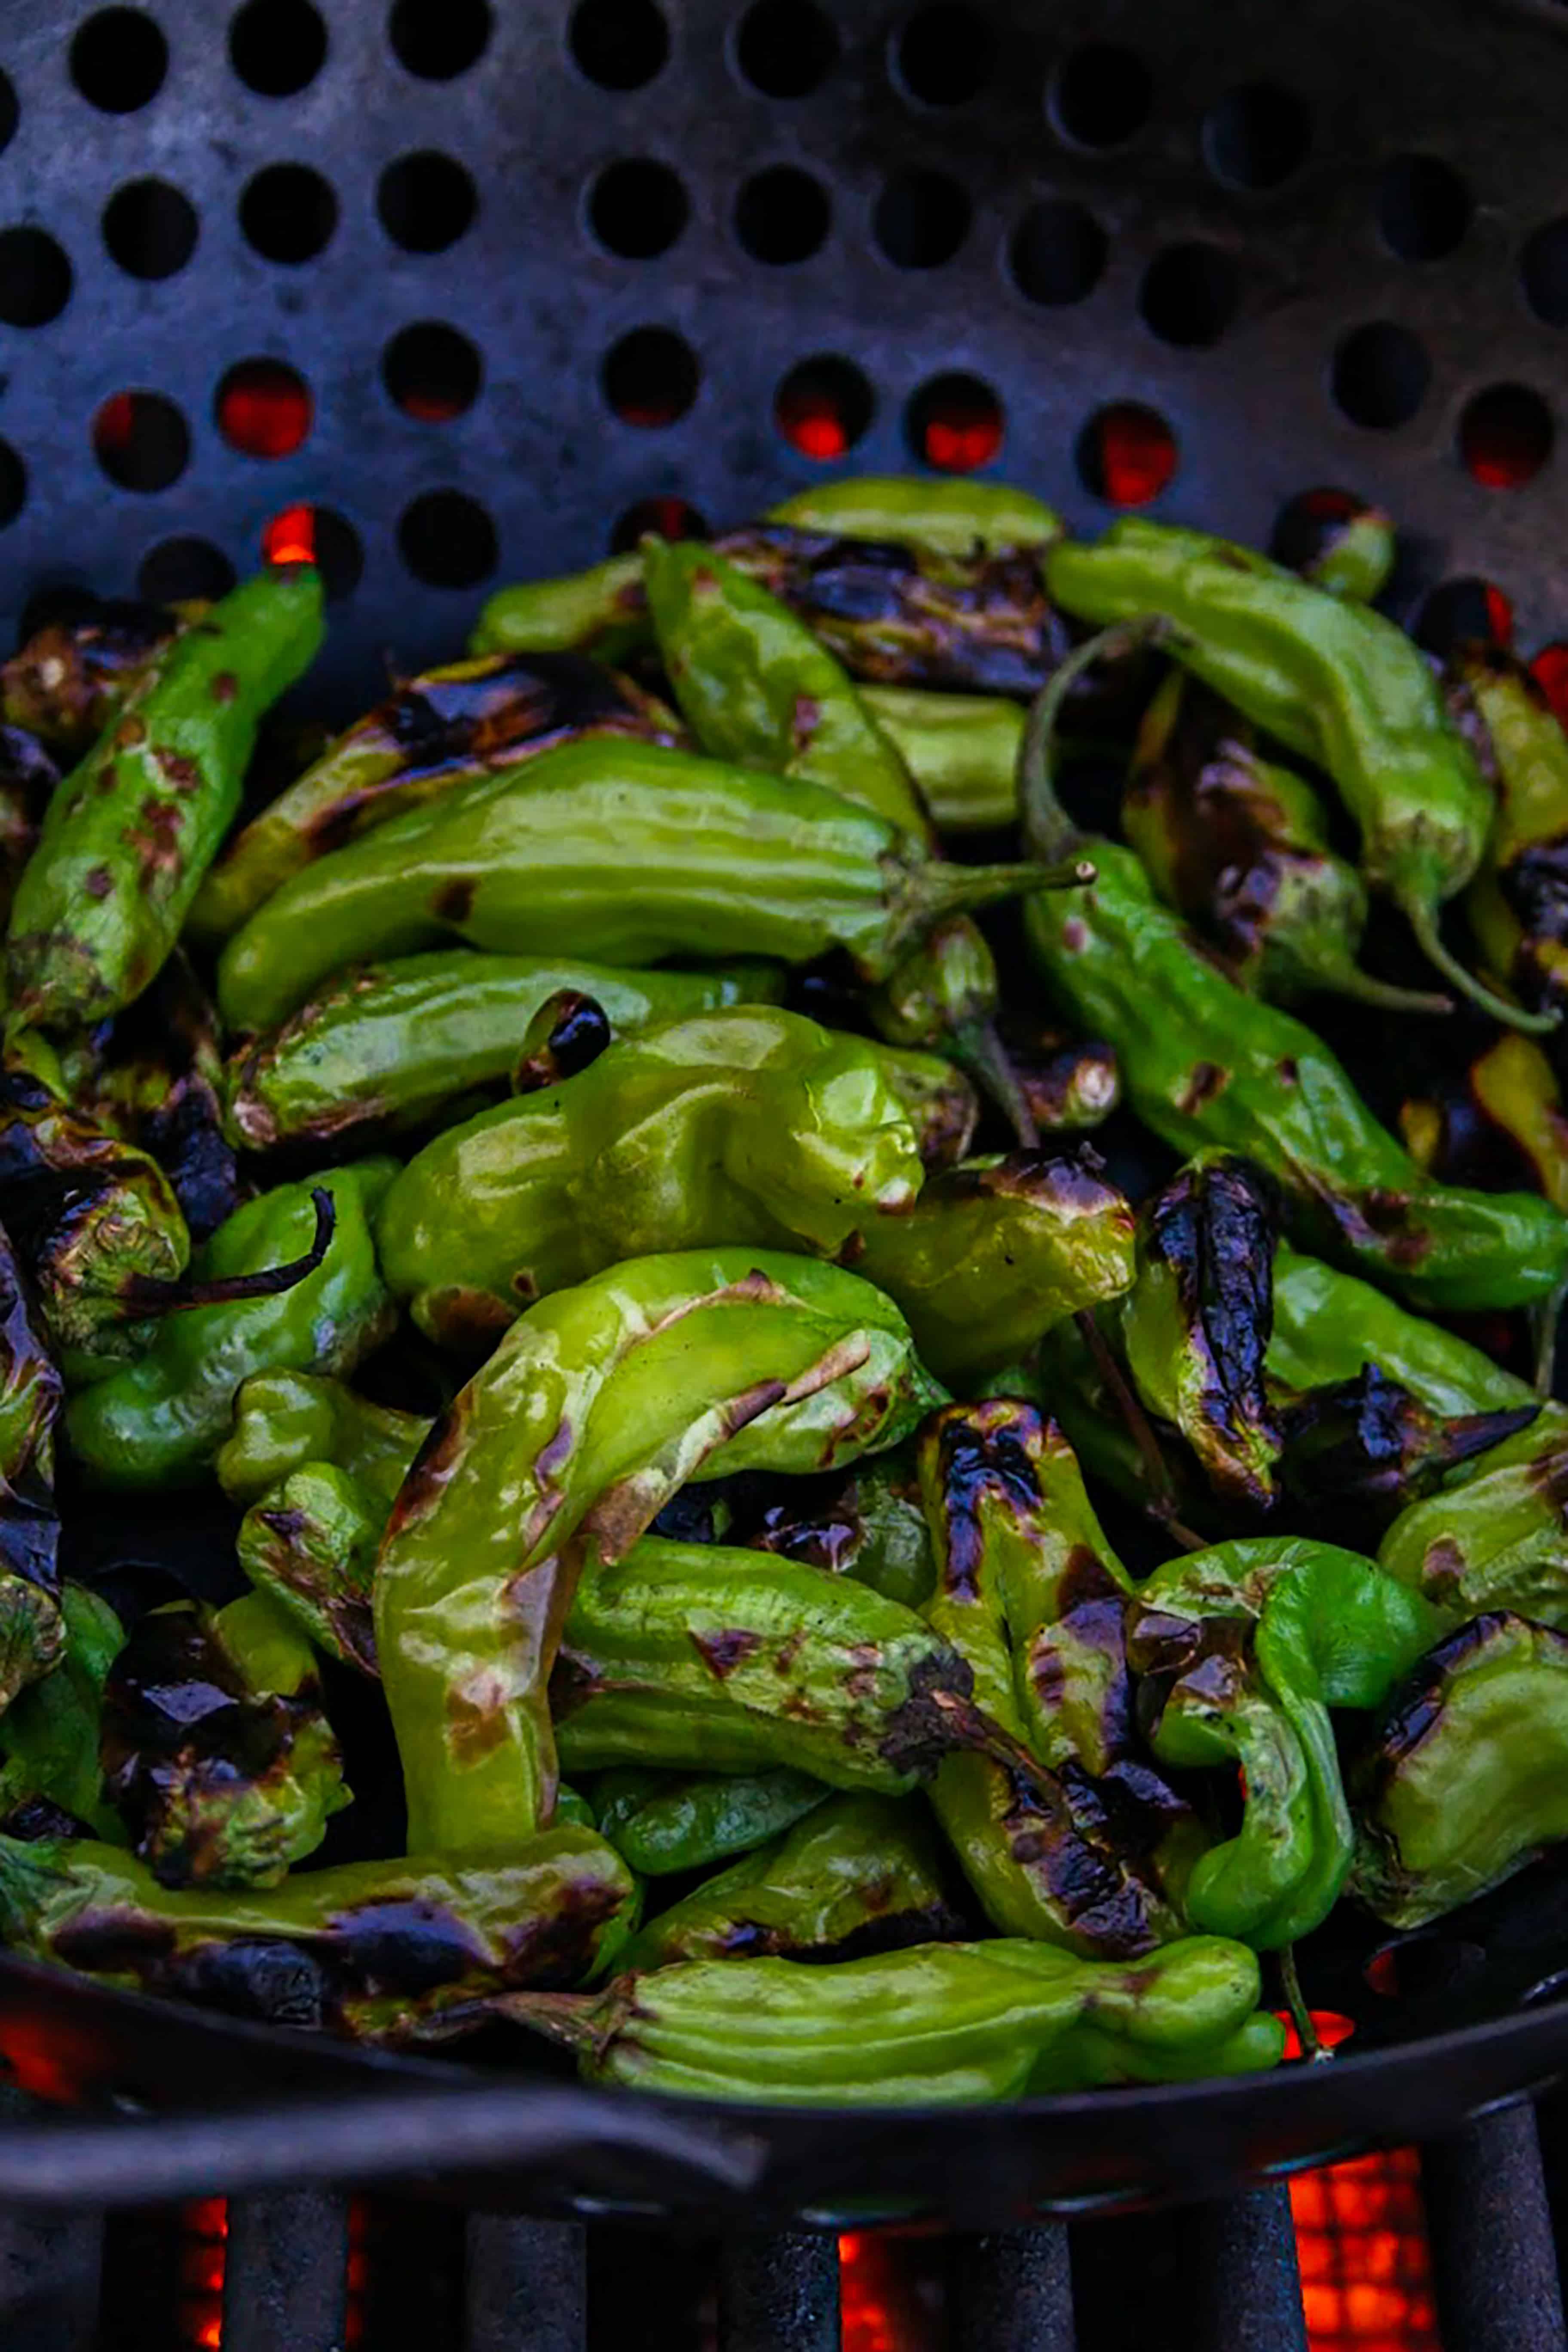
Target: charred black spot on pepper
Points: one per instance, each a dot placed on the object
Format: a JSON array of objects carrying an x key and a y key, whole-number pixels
[
  {"x": 723, "y": 1651},
  {"x": 453, "y": 901}
]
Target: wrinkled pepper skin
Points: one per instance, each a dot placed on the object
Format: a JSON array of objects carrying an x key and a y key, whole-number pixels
[
  {"x": 71, "y": 677},
  {"x": 1334, "y": 681},
  {"x": 32, "y": 1633},
  {"x": 1466, "y": 1780},
  {"x": 747, "y": 1125},
  {"x": 130, "y": 832},
  {"x": 913, "y": 510},
  {"x": 1329, "y": 1324},
  {"x": 159, "y": 1085},
  {"x": 1195, "y": 1325},
  {"x": 618, "y": 852},
  {"x": 1370, "y": 1446},
  {"x": 937, "y": 1099},
  {"x": 1499, "y": 1123},
  {"x": 938, "y": 2024},
  {"x": 215, "y": 1746},
  {"x": 873, "y": 1529},
  {"x": 861, "y": 1874},
  {"x": 696, "y": 1656},
  {"x": 600, "y": 612},
  {"x": 1517, "y": 903},
  {"x": 365, "y": 1949},
  {"x": 662, "y": 1822},
  {"x": 1243, "y": 1649},
  {"x": 961, "y": 749},
  {"x": 284, "y": 1419},
  {"x": 598, "y": 1405},
  {"x": 309, "y": 1544},
  {"x": 389, "y": 1047},
  {"x": 442, "y": 728},
  {"x": 49, "y": 1733},
  {"x": 158, "y": 1421},
  {"x": 1497, "y": 1535}
]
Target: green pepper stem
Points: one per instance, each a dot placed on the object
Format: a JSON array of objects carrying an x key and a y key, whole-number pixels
[
  {"x": 1048, "y": 831},
  {"x": 139, "y": 1296},
  {"x": 1349, "y": 980},
  {"x": 1295, "y": 2002},
  {"x": 1423, "y": 921},
  {"x": 976, "y": 1047}
]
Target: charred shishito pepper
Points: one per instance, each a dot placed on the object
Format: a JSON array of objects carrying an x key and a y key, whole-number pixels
[
  {"x": 873, "y": 1527},
  {"x": 130, "y": 832},
  {"x": 159, "y": 1083},
  {"x": 66, "y": 683},
  {"x": 1370, "y": 1448},
  {"x": 32, "y": 1635},
  {"x": 599, "y": 1405},
  {"x": 1329, "y": 1324},
  {"x": 215, "y": 1746},
  {"x": 49, "y": 1732},
  {"x": 1496, "y": 1537},
  {"x": 1500, "y": 1121},
  {"x": 1517, "y": 903}
]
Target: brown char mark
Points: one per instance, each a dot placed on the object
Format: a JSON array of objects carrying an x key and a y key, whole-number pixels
[
  {"x": 985, "y": 1454},
  {"x": 453, "y": 901},
  {"x": 723, "y": 1651}
]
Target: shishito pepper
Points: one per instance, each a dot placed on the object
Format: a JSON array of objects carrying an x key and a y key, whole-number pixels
[
  {"x": 955, "y": 517},
  {"x": 309, "y": 1544},
  {"x": 1334, "y": 681},
  {"x": 1517, "y": 903},
  {"x": 130, "y": 832},
  {"x": 215, "y": 1746},
  {"x": 365, "y": 1948},
  {"x": 1500, "y": 1121},
  {"x": 861, "y": 1874},
  {"x": 158, "y": 1084},
  {"x": 157, "y": 1421},
  {"x": 961, "y": 749},
  {"x": 1497, "y": 1535},
  {"x": 71, "y": 676},
  {"x": 872, "y": 1528},
  {"x": 663, "y": 1823},
  {"x": 1243, "y": 1649},
  {"x": 1339, "y": 543},
  {"x": 936, "y": 1097},
  {"x": 1467, "y": 1778},
  {"x": 1203, "y": 1063},
  {"x": 1368, "y": 1446},
  {"x": 284, "y": 1419},
  {"x": 1069, "y": 1085},
  {"x": 49, "y": 1733},
  {"x": 600, "y": 611},
  {"x": 1329, "y": 1324},
  {"x": 939, "y": 2024},
  {"x": 32, "y": 1635},
  {"x": 441, "y": 728},
  {"x": 619, "y": 852},
  {"x": 599, "y": 1405}
]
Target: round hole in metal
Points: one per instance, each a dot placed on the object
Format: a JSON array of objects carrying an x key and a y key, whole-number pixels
[
  {"x": 1256, "y": 136},
  {"x": 1056, "y": 253},
  {"x": 823, "y": 407},
  {"x": 944, "y": 54},
  {"x": 318, "y": 535},
  {"x": 1550, "y": 671},
  {"x": 1505, "y": 436},
  {"x": 438, "y": 40},
  {"x": 1543, "y": 273},
  {"x": 1189, "y": 294},
  {"x": 13, "y": 484},
  {"x": 149, "y": 228},
  {"x": 34, "y": 277},
  {"x": 785, "y": 48},
  {"x": 1126, "y": 454},
  {"x": 276, "y": 46},
  {"x": 426, "y": 201},
  {"x": 288, "y": 213},
  {"x": 1101, "y": 95},
  {"x": 670, "y": 517},
  {"x": 1306, "y": 523},
  {"x": 638, "y": 209},
  {"x": 955, "y": 422},
  {"x": 619, "y": 44},
  {"x": 432, "y": 372},
  {"x": 650, "y": 376},
  {"x": 448, "y": 539},
  {"x": 177, "y": 569},
  {"x": 1465, "y": 611},
  {"x": 10, "y": 112},
  {"x": 118, "y": 59},
  {"x": 1423, "y": 207},
  {"x": 141, "y": 440},
  {"x": 921, "y": 219},
  {"x": 782, "y": 215},
  {"x": 1381, "y": 373},
  {"x": 263, "y": 408}
]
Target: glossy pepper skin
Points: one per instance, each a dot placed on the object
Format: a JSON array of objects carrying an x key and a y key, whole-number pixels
[
  {"x": 663, "y": 1823},
  {"x": 1369, "y": 1447},
  {"x": 873, "y": 1528},
  {"x": 1497, "y": 1535},
  {"x": 159, "y": 1085},
  {"x": 961, "y": 749},
  {"x": 1329, "y": 1324},
  {"x": 938, "y": 2024},
  {"x": 365, "y": 1949},
  {"x": 937, "y": 1099},
  {"x": 1517, "y": 903},
  {"x": 1500, "y": 1121},
  {"x": 159, "y": 1421},
  {"x": 1339, "y": 543},
  {"x": 309, "y": 1544},
  {"x": 389, "y": 1047},
  {"x": 621, "y": 852},
  {"x": 71, "y": 678},
  {"x": 1203, "y": 1063},
  {"x": 1465, "y": 1781},
  {"x": 1243, "y": 1650},
  {"x": 215, "y": 1746},
  {"x": 1239, "y": 847},
  {"x": 600, "y": 612},
  {"x": 130, "y": 832},
  {"x": 49, "y": 1733},
  {"x": 746, "y": 1125},
  {"x": 861, "y": 1874},
  {"x": 913, "y": 510},
  {"x": 599, "y": 1405},
  {"x": 1334, "y": 681},
  {"x": 285, "y": 1418}
]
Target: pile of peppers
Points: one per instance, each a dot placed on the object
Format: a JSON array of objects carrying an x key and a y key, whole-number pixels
[{"x": 860, "y": 1467}]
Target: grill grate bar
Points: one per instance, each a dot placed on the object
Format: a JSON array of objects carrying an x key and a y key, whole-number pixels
[
  {"x": 49, "y": 2271},
  {"x": 526, "y": 2286},
  {"x": 1494, "y": 2266},
  {"x": 285, "y": 2281},
  {"x": 779, "y": 2294},
  {"x": 1011, "y": 2287},
  {"x": 1248, "y": 2284}
]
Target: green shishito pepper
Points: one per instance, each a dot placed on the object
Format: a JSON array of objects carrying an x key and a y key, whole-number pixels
[
  {"x": 912, "y": 510},
  {"x": 394, "y": 1046},
  {"x": 619, "y": 852},
  {"x": 1250, "y": 1646},
  {"x": 1501, "y": 1120},
  {"x": 367, "y": 1948},
  {"x": 1204, "y": 1062},
  {"x": 1328, "y": 1324},
  {"x": 1517, "y": 902},
  {"x": 159, "y": 1421},
  {"x": 596, "y": 1407},
  {"x": 1495, "y": 1535},
  {"x": 282, "y": 1420},
  {"x": 49, "y": 1733},
  {"x": 1467, "y": 1780},
  {"x": 130, "y": 833},
  {"x": 33, "y": 1636},
  {"x": 961, "y": 749},
  {"x": 661, "y": 1823},
  {"x": 939, "y": 2024},
  {"x": 1335, "y": 682}
]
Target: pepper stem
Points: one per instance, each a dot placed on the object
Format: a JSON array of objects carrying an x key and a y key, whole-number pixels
[
  {"x": 583, "y": 2022},
  {"x": 976, "y": 1047},
  {"x": 140, "y": 1295},
  {"x": 1423, "y": 921},
  {"x": 1295, "y": 2002},
  {"x": 1349, "y": 980},
  {"x": 1048, "y": 831}
]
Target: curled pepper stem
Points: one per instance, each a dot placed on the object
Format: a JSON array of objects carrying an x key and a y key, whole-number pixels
[
  {"x": 1300, "y": 2015},
  {"x": 1048, "y": 831},
  {"x": 1423, "y": 921},
  {"x": 978, "y": 1049},
  {"x": 1161, "y": 1506},
  {"x": 141, "y": 1297},
  {"x": 1361, "y": 985}
]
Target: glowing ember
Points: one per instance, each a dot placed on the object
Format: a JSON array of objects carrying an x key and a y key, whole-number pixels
[
  {"x": 1360, "y": 2238},
  {"x": 291, "y": 537}
]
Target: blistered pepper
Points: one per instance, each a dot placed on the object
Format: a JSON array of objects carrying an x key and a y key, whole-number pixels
[
  {"x": 1500, "y": 1121},
  {"x": 1069, "y": 1085},
  {"x": 159, "y": 1421},
  {"x": 618, "y": 852},
  {"x": 596, "y": 1406},
  {"x": 1368, "y": 1446},
  {"x": 32, "y": 1633},
  {"x": 1329, "y": 1324},
  {"x": 961, "y": 749},
  {"x": 49, "y": 1733},
  {"x": 284, "y": 1419},
  {"x": 158, "y": 1084},
  {"x": 1497, "y": 1535},
  {"x": 71, "y": 676},
  {"x": 1334, "y": 681},
  {"x": 872, "y": 1528},
  {"x": 938, "y": 2024},
  {"x": 1203, "y": 1063},
  {"x": 1517, "y": 903},
  {"x": 310, "y": 1545},
  {"x": 664, "y": 1822},
  {"x": 130, "y": 832}
]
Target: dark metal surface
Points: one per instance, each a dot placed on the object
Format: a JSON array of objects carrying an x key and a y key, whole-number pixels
[
  {"x": 526, "y": 2285},
  {"x": 285, "y": 2280},
  {"x": 49, "y": 2281},
  {"x": 1494, "y": 2266},
  {"x": 779, "y": 2294},
  {"x": 1011, "y": 2286},
  {"x": 1250, "y": 2285}
]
